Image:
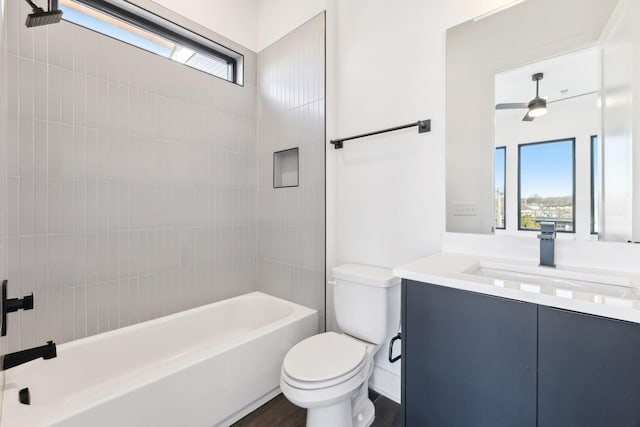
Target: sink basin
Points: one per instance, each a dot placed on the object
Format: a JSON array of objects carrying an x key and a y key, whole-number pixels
[{"x": 558, "y": 281}]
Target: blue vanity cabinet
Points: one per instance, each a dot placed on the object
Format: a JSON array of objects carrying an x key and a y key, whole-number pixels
[
  {"x": 588, "y": 370},
  {"x": 468, "y": 359}
]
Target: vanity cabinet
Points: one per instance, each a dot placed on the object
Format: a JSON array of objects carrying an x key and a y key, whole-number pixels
[
  {"x": 473, "y": 360},
  {"x": 588, "y": 370},
  {"x": 468, "y": 359}
]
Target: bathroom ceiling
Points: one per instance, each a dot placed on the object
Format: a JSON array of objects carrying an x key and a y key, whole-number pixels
[{"x": 565, "y": 76}]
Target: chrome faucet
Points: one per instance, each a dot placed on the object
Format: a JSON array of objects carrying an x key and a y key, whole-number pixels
[{"x": 547, "y": 238}]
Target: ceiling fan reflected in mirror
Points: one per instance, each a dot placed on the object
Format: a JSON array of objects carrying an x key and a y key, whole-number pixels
[{"x": 537, "y": 106}]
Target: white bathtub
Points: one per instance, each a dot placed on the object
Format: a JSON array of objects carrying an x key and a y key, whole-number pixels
[{"x": 203, "y": 367}]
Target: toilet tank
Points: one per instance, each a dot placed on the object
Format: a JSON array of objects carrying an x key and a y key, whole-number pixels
[{"x": 366, "y": 300}]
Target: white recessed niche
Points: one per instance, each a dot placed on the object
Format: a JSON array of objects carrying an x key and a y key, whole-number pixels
[{"x": 285, "y": 168}]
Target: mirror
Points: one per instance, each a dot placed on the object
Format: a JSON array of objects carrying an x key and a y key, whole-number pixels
[{"x": 574, "y": 164}]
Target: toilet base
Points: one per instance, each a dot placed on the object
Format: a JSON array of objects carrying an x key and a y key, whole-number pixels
[
  {"x": 363, "y": 413},
  {"x": 336, "y": 415},
  {"x": 342, "y": 414}
]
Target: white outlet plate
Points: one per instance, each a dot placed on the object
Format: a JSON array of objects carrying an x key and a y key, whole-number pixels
[{"x": 465, "y": 209}]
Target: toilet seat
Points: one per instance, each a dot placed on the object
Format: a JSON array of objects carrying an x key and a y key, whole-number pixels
[{"x": 323, "y": 360}]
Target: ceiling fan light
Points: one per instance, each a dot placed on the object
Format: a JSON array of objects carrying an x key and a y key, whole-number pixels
[
  {"x": 538, "y": 107},
  {"x": 538, "y": 111}
]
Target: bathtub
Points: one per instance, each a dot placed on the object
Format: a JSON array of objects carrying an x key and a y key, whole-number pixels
[{"x": 207, "y": 366}]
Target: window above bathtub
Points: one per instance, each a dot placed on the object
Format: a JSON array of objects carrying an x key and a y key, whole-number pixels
[{"x": 136, "y": 26}]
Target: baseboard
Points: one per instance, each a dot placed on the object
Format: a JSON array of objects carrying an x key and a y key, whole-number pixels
[
  {"x": 249, "y": 408},
  {"x": 386, "y": 383}
]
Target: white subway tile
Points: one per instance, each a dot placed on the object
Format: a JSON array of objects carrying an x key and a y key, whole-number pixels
[
  {"x": 54, "y": 282},
  {"x": 80, "y": 260},
  {"x": 13, "y": 146},
  {"x": 67, "y": 157},
  {"x": 13, "y": 21},
  {"x": 54, "y": 206},
  {"x": 41, "y": 258},
  {"x": 114, "y": 305},
  {"x": 40, "y": 91},
  {"x": 67, "y": 260},
  {"x": 53, "y": 42},
  {"x": 92, "y": 154},
  {"x": 103, "y": 257},
  {"x": 80, "y": 152},
  {"x": 67, "y": 206},
  {"x": 26, "y": 146},
  {"x": 67, "y": 314},
  {"x": 79, "y": 99},
  {"x": 92, "y": 258},
  {"x": 54, "y": 93},
  {"x": 92, "y": 309},
  {"x": 124, "y": 303},
  {"x": 13, "y": 202},
  {"x": 40, "y": 149},
  {"x": 41, "y": 211},
  {"x": 54, "y": 150},
  {"x": 68, "y": 86},
  {"x": 103, "y": 307},
  {"x": 92, "y": 206},
  {"x": 27, "y": 206},
  {"x": 67, "y": 37},
  {"x": 103, "y": 205},
  {"x": 55, "y": 314},
  {"x": 80, "y": 312}
]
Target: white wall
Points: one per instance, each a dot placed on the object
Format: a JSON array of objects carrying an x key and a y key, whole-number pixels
[
  {"x": 233, "y": 19},
  {"x": 255, "y": 24},
  {"x": 390, "y": 195},
  {"x": 276, "y": 18}
]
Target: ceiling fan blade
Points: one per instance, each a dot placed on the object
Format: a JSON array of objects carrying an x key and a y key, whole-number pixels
[
  {"x": 511, "y": 106},
  {"x": 527, "y": 118},
  {"x": 572, "y": 97}
]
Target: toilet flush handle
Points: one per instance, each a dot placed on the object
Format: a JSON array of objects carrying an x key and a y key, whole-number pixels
[{"x": 331, "y": 282}]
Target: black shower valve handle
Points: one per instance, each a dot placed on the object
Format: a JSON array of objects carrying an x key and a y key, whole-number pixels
[
  {"x": 24, "y": 303},
  {"x": 11, "y": 305}
]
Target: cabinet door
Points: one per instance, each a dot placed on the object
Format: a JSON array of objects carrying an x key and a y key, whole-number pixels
[
  {"x": 589, "y": 370},
  {"x": 468, "y": 359}
]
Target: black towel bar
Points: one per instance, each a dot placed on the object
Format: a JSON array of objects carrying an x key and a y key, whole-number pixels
[{"x": 423, "y": 126}]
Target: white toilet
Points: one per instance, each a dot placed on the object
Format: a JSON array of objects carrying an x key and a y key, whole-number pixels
[{"x": 329, "y": 373}]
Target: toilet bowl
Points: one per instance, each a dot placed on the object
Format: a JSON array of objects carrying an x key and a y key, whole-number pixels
[{"x": 328, "y": 374}]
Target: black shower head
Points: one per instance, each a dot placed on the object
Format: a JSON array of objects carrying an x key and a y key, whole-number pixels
[{"x": 39, "y": 17}]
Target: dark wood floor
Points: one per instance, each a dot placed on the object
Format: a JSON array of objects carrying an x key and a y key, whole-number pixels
[{"x": 279, "y": 412}]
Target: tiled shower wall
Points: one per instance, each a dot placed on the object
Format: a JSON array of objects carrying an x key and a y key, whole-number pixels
[
  {"x": 291, "y": 113},
  {"x": 3, "y": 170},
  {"x": 131, "y": 183}
]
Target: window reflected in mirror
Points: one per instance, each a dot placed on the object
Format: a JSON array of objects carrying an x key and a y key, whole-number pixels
[
  {"x": 500, "y": 164},
  {"x": 546, "y": 184},
  {"x": 595, "y": 178}
]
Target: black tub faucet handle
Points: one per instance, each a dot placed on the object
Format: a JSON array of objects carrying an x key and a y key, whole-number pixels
[{"x": 13, "y": 304}]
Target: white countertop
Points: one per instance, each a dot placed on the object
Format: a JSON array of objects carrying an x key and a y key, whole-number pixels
[{"x": 619, "y": 301}]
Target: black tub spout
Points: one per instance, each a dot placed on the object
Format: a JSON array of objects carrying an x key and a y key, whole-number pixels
[{"x": 47, "y": 351}]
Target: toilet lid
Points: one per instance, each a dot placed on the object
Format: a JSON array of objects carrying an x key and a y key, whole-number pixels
[{"x": 323, "y": 357}]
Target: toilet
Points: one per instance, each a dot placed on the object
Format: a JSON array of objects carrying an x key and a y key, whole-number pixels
[{"x": 328, "y": 374}]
